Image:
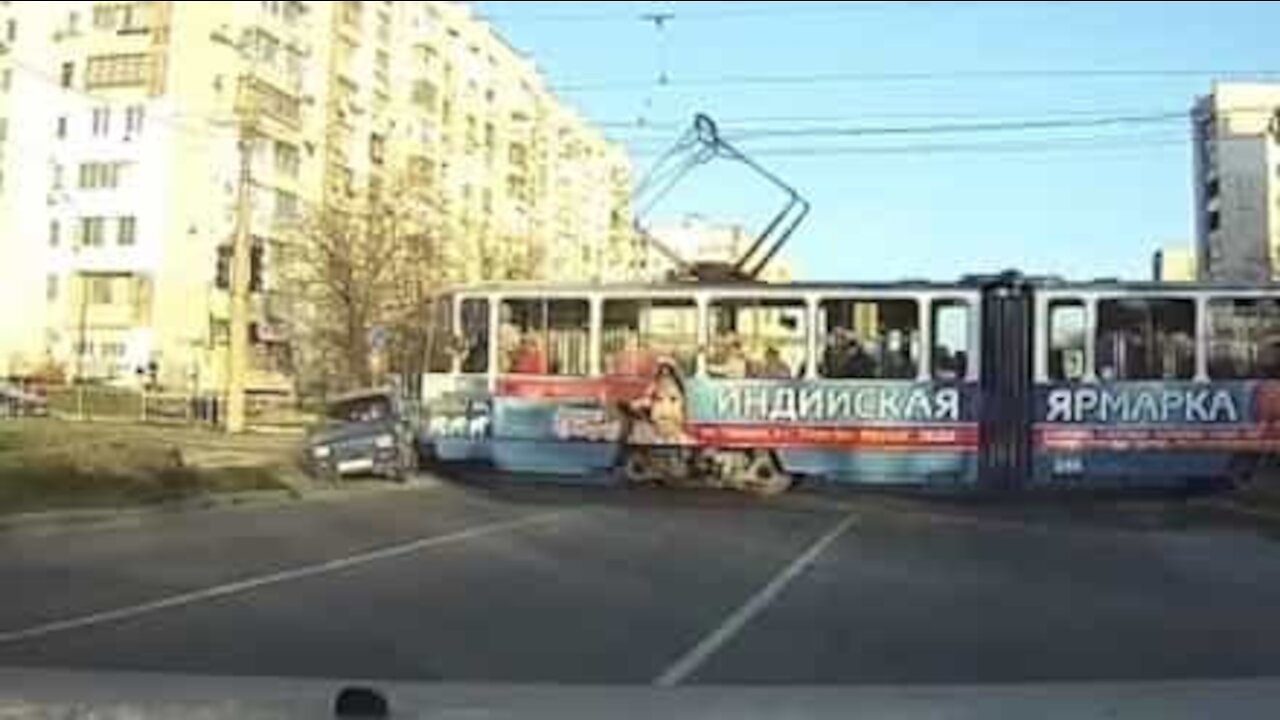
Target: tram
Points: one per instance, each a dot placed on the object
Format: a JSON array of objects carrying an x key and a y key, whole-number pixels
[
  {"x": 715, "y": 378},
  {"x": 989, "y": 382}
]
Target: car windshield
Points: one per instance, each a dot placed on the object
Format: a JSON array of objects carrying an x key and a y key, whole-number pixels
[
  {"x": 650, "y": 343},
  {"x": 360, "y": 410}
]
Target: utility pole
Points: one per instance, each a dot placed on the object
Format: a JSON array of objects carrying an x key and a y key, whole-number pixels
[
  {"x": 238, "y": 350},
  {"x": 246, "y": 107}
]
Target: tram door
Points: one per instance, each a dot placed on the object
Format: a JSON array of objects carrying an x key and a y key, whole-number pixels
[{"x": 1007, "y": 403}]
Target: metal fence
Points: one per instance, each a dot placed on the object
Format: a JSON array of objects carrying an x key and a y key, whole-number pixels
[{"x": 91, "y": 403}]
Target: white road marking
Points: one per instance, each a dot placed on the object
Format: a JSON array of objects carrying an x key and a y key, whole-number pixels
[
  {"x": 689, "y": 663},
  {"x": 275, "y": 578}
]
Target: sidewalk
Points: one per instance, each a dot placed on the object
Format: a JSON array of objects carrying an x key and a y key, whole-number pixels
[{"x": 46, "y": 521}]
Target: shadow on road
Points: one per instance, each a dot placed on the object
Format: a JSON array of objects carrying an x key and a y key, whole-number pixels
[{"x": 1137, "y": 510}]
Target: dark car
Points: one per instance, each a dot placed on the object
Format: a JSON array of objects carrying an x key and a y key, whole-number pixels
[{"x": 363, "y": 433}]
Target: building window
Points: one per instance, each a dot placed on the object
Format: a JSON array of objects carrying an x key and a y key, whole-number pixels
[
  {"x": 377, "y": 148},
  {"x": 55, "y": 231},
  {"x": 133, "y": 116},
  {"x": 101, "y": 121},
  {"x": 279, "y": 105},
  {"x": 57, "y": 176},
  {"x": 266, "y": 48},
  {"x": 424, "y": 94},
  {"x": 129, "y": 70},
  {"x": 61, "y": 130},
  {"x": 68, "y": 74},
  {"x": 287, "y": 159},
  {"x": 4, "y": 129},
  {"x": 100, "y": 175},
  {"x": 286, "y": 206},
  {"x": 92, "y": 231},
  {"x": 127, "y": 230},
  {"x": 351, "y": 12},
  {"x": 100, "y": 289},
  {"x": 11, "y": 31},
  {"x": 6, "y": 79},
  {"x": 517, "y": 155},
  {"x": 51, "y": 287},
  {"x": 104, "y": 16}
]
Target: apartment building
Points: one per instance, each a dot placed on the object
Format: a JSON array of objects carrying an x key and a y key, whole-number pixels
[
  {"x": 128, "y": 123},
  {"x": 1236, "y": 177}
]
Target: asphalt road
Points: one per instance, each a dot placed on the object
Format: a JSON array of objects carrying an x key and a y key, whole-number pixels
[{"x": 564, "y": 585}]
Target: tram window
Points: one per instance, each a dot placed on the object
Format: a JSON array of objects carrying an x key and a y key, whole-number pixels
[
  {"x": 545, "y": 337},
  {"x": 1244, "y": 338},
  {"x": 636, "y": 334},
  {"x": 868, "y": 338},
  {"x": 439, "y": 335},
  {"x": 950, "y": 325},
  {"x": 763, "y": 338},
  {"x": 1066, "y": 340},
  {"x": 475, "y": 335},
  {"x": 1146, "y": 339}
]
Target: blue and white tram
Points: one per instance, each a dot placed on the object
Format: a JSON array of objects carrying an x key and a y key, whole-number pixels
[{"x": 997, "y": 382}]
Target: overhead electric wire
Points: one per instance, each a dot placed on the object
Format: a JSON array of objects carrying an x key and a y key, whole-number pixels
[
  {"x": 745, "y": 122},
  {"x": 908, "y": 76},
  {"x": 1094, "y": 143}
]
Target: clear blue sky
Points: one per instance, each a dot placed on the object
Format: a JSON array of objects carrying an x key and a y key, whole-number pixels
[{"x": 1078, "y": 201}]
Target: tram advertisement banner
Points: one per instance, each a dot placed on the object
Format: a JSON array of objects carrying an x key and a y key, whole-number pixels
[
  {"x": 670, "y": 410},
  {"x": 1159, "y": 415}
]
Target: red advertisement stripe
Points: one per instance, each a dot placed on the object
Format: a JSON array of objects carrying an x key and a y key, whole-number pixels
[
  {"x": 914, "y": 438},
  {"x": 562, "y": 388},
  {"x": 1066, "y": 438}
]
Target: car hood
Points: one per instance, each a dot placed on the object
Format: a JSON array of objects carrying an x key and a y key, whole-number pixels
[
  {"x": 61, "y": 693},
  {"x": 337, "y": 433}
]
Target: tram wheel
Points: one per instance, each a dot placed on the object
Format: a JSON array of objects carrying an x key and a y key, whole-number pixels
[
  {"x": 763, "y": 476},
  {"x": 637, "y": 467}
]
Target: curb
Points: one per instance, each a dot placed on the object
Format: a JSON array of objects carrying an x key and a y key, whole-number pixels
[{"x": 89, "y": 518}]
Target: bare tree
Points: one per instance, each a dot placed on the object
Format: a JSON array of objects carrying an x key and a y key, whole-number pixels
[
  {"x": 369, "y": 274},
  {"x": 357, "y": 279}
]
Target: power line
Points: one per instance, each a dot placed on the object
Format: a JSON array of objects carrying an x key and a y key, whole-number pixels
[
  {"x": 1083, "y": 142},
  {"x": 754, "y": 121},
  {"x": 924, "y": 76},
  {"x": 1022, "y": 125},
  {"x": 956, "y": 128}
]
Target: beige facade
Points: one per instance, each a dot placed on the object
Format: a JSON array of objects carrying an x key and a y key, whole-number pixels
[
  {"x": 124, "y": 120},
  {"x": 1174, "y": 263}
]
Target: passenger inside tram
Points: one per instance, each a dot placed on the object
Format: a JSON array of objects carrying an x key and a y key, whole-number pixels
[
  {"x": 774, "y": 366},
  {"x": 729, "y": 361},
  {"x": 633, "y": 359},
  {"x": 530, "y": 359}
]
